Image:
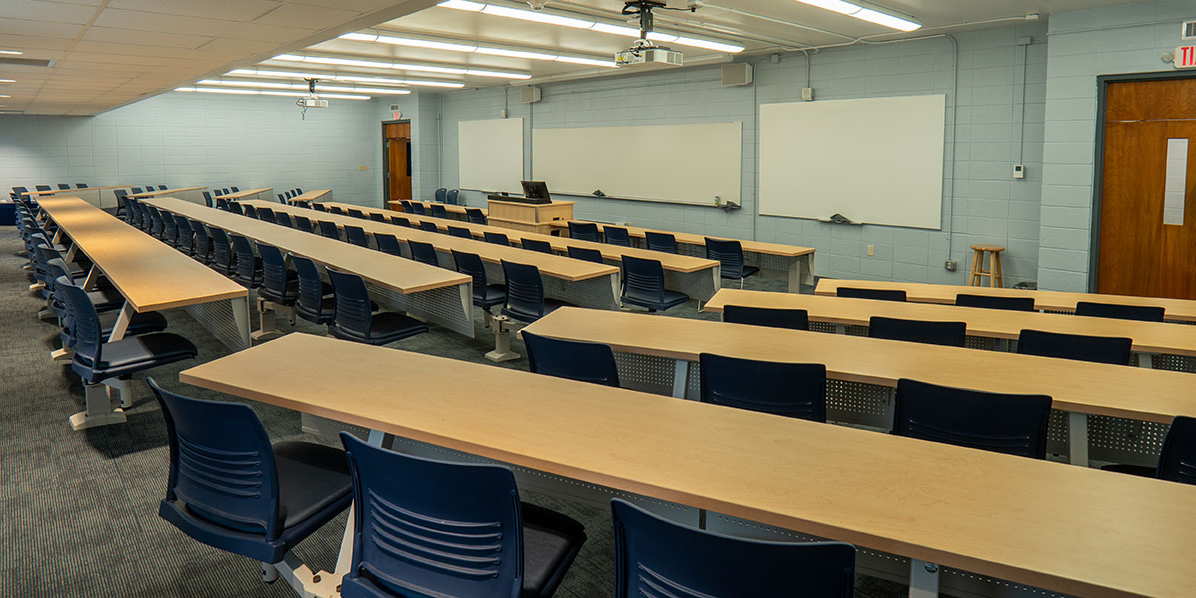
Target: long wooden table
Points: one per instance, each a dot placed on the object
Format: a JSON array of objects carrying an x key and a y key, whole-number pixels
[
  {"x": 260, "y": 193},
  {"x": 433, "y": 294},
  {"x": 93, "y": 195},
  {"x": 578, "y": 282},
  {"x": 1181, "y": 310},
  {"x": 454, "y": 209},
  {"x": 697, "y": 277},
  {"x": 151, "y": 276},
  {"x": 776, "y": 260},
  {"x": 1148, "y": 337},
  {"x": 1077, "y": 387},
  {"x": 192, "y": 194},
  {"x": 312, "y": 195},
  {"x": 1044, "y": 524}
]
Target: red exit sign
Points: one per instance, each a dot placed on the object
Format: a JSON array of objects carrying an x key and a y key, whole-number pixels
[{"x": 1185, "y": 57}]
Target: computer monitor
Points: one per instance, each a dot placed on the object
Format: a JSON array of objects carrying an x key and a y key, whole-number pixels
[{"x": 536, "y": 191}]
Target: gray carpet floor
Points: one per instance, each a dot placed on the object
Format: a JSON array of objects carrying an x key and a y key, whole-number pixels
[{"x": 78, "y": 510}]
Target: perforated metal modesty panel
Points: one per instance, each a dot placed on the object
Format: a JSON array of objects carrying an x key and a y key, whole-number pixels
[
  {"x": 218, "y": 318},
  {"x": 597, "y": 293},
  {"x": 700, "y": 285},
  {"x": 442, "y": 306}
]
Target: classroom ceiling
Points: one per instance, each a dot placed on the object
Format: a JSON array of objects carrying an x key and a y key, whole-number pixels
[{"x": 82, "y": 57}]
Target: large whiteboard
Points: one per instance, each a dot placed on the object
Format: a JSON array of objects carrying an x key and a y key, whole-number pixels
[
  {"x": 874, "y": 160},
  {"x": 490, "y": 154},
  {"x": 672, "y": 163}
]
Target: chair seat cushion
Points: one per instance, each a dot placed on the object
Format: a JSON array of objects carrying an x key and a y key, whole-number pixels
[
  {"x": 551, "y": 540},
  {"x": 311, "y": 478},
  {"x": 747, "y": 271},
  {"x": 671, "y": 299},
  {"x": 290, "y": 292},
  {"x": 387, "y": 327},
  {"x": 134, "y": 354},
  {"x": 490, "y": 295}
]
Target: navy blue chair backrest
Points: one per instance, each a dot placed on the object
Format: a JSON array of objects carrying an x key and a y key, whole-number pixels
[
  {"x": 879, "y": 294},
  {"x": 795, "y": 319},
  {"x": 406, "y": 206},
  {"x": 47, "y": 188},
  {"x": 354, "y": 313},
  {"x": 355, "y": 213},
  {"x": 586, "y": 254},
  {"x": 161, "y": 187},
  {"x": 789, "y": 389},
  {"x": 729, "y": 252},
  {"x": 656, "y": 557},
  {"x": 387, "y": 244},
  {"x": 400, "y": 221},
  {"x": 584, "y": 362},
  {"x": 356, "y": 235},
  {"x": 424, "y": 253},
  {"x": 1099, "y": 349},
  {"x": 453, "y": 196},
  {"x": 661, "y": 242},
  {"x": 617, "y": 235},
  {"x": 475, "y": 216},
  {"x": 234, "y": 189},
  {"x": 496, "y": 238},
  {"x": 136, "y": 190},
  {"x": 62, "y": 186},
  {"x": 247, "y": 263},
  {"x": 328, "y": 229},
  {"x": 460, "y": 232},
  {"x": 311, "y": 288},
  {"x": 993, "y": 302},
  {"x": 274, "y": 269},
  {"x": 282, "y": 198},
  {"x": 583, "y": 231},
  {"x": 319, "y": 207},
  {"x": 1177, "y": 461},
  {"x": 266, "y": 215},
  {"x": 1002, "y": 423},
  {"x": 185, "y": 232},
  {"x": 80, "y": 185},
  {"x": 207, "y": 199},
  {"x": 471, "y": 264},
  {"x": 336, "y": 210},
  {"x": 643, "y": 279},
  {"x": 86, "y": 326},
  {"x": 537, "y": 245},
  {"x": 202, "y": 243},
  {"x": 441, "y": 194},
  {"x": 429, "y": 226},
  {"x": 235, "y": 208},
  {"x": 221, "y": 463},
  {"x": 418, "y": 209},
  {"x": 525, "y": 291},
  {"x": 439, "y": 211},
  {"x": 303, "y": 223},
  {"x": 952, "y": 334},
  {"x": 283, "y": 219},
  {"x": 1145, "y": 313},
  {"x": 377, "y": 216},
  {"x": 250, "y": 211},
  {"x": 222, "y": 249},
  {"x": 222, "y": 204},
  {"x": 432, "y": 528}
]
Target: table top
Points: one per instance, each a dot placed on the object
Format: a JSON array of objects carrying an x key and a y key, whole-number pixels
[
  {"x": 85, "y": 189},
  {"x": 695, "y": 239},
  {"x": 166, "y": 192},
  {"x": 312, "y": 195},
  {"x": 1064, "y": 528},
  {"x": 400, "y": 274},
  {"x": 246, "y": 193},
  {"x": 670, "y": 261},
  {"x": 549, "y": 265},
  {"x": 1080, "y": 386},
  {"x": 920, "y": 292},
  {"x": 454, "y": 208},
  {"x": 1149, "y": 337},
  {"x": 149, "y": 274}
]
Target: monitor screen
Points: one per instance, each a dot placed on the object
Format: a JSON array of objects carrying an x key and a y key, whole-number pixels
[{"x": 537, "y": 190}]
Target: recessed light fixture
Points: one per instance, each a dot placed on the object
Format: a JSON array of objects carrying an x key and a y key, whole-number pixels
[
  {"x": 8, "y": 80},
  {"x": 11, "y": 52},
  {"x": 399, "y": 66},
  {"x": 320, "y": 87},
  {"x": 255, "y": 72},
  {"x": 5, "y": 96},
  {"x": 465, "y": 47},
  {"x": 292, "y": 94},
  {"x": 866, "y": 14},
  {"x": 550, "y": 18}
]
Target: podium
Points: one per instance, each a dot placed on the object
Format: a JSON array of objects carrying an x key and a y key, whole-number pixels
[{"x": 527, "y": 217}]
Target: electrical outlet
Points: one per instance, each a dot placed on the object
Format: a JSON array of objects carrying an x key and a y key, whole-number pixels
[
  {"x": 871, "y": 250},
  {"x": 950, "y": 265}
]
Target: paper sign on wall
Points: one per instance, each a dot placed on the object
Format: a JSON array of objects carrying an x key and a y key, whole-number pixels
[{"x": 1185, "y": 57}]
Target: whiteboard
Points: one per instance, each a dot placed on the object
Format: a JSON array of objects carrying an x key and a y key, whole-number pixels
[
  {"x": 874, "y": 160},
  {"x": 671, "y": 163},
  {"x": 490, "y": 154}
]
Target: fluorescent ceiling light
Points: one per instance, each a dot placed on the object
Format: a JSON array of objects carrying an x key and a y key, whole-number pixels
[
  {"x": 291, "y": 94},
  {"x": 254, "y": 72},
  {"x": 8, "y": 80},
  {"x": 865, "y": 14},
  {"x": 303, "y": 86},
  {"x": 492, "y": 51},
  {"x": 588, "y": 61},
  {"x": 5, "y": 96},
  {"x": 517, "y": 54},
  {"x": 12, "y": 52},
  {"x": 479, "y": 73},
  {"x": 422, "y": 43},
  {"x": 399, "y": 66},
  {"x": 551, "y": 18}
]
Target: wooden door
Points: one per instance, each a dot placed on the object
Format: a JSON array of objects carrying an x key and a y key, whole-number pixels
[
  {"x": 1144, "y": 249},
  {"x": 398, "y": 160}
]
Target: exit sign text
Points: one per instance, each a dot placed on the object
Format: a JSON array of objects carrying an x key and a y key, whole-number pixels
[{"x": 1185, "y": 57}]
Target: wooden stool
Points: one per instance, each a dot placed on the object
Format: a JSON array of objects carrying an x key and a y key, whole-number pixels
[{"x": 994, "y": 265}]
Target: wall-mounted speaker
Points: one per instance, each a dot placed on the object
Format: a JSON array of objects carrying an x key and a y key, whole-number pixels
[
  {"x": 739, "y": 73},
  {"x": 530, "y": 95}
]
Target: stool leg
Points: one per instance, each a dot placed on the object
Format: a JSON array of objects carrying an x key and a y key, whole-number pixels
[
  {"x": 975, "y": 281},
  {"x": 1000, "y": 280}
]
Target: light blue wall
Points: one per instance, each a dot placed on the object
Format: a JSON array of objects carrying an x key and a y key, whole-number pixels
[
  {"x": 989, "y": 206},
  {"x": 1083, "y": 45},
  {"x": 187, "y": 139}
]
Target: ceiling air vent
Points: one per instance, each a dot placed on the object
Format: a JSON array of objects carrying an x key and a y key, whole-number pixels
[
  {"x": 1189, "y": 30},
  {"x": 25, "y": 62}
]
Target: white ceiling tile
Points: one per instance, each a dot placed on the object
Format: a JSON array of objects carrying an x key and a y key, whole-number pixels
[
  {"x": 145, "y": 38},
  {"x": 153, "y": 21},
  {"x": 39, "y": 28},
  {"x": 39, "y": 10},
  {"x": 305, "y": 16},
  {"x": 229, "y": 10},
  {"x": 87, "y": 46}
]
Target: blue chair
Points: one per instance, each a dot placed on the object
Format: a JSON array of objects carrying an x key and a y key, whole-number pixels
[
  {"x": 222, "y": 252},
  {"x": 406, "y": 205},
  {"x": 1144, "y": 313},
  {"x": 475, "y": 216},
  {"x": 170, "y": 229},
  {"x": 441, "y": 194},
  {"x": 234, "y": 189},
  {"x": 438, "y": 211},
  {"x": 993, "y": 302},
  {"x": 1177, "y": 461},
  {"x": 433, "y": 528},
  {"x": 485, "y": 295},
  {"x": 283, "y": 219},
  {"x": 47, "y": 188},
  {"x": 388, "y": 244},
  {"x": 336, "y": 210},
  {"x": 584, "y": 231},
  {"x": 537, "y": 246},
  {"x": 207, "y": 199},
  {"x": 584, "y": 362},
  {"x": 225, "y": 191},
  {"x": 248, "y": 272},
  {"x": 122, "y": 207},
  {"x": 1099, "y": 349},
  {"x": 80, "y": 185},
  {"x": 452, "y": 196},
  {"x": 877, "y": 294},
  {"x": 184, "y": 241},
  {"x": 460, "y": 232},
  {"x": 400, "y": 221},
  {"x": 525, "y": 293},
  {"x": 1002, "y": 423},
  {"x": 221, "y": 204},
  {"x": 303, "y": 223},
  {"x": 319, "y": 207},
  {"x": 729, "y": 253},
  {"x": 643, "y": 285},
  {"x": 63, "y": 186},
  {"x": 378, "y": 217},
  {"x": 298, "y": 191},
  {"x": 355, "y": 321},
  {"x": 656, "y": 557},
  {"x": 249, "y": 211},
  {"x": 789, "y": 389},
  {"x": 266, "y": 215},
  {"x": 616, "y": 235},
  {"x": 161, "y": 187},
  {"x": 418, "y": 209},
  {"x": 355, "y": 213},
  {"x": 356, "y": 235},
  {"x": 157, "y": 222},
  {"x": 952, "y": 334},
  {"x": 315, "y": 301},
  {"x": 282, "y": 198},
  {"x": 496, "y": 238},
  {"x": 231, "y": 489},
  {"x": 429, "y": 226},
  {"x": 794, "y": 319},
  {"x": 201, "y": 247},
  {"x": 585, "y": 254},
  {"x": 424, "y": 253},
  {"x": 234, "y": 207},
  {"x": 279, "y": 284},
  {"x": 329, "y": 229},
  {"x": 661, "y": 241}
]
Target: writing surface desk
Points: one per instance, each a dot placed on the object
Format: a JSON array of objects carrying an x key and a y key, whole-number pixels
[
  {"x": 312, "y": 195},
  {"x": 1182, "y": 310},
  {"x": 433, "y": 294},
  {"x": 578, "y": 282},
  {"x": 697, "y": 277},
  {"x": 1077, "y": 387},
  {"x": 776, "y": 260},
  {"x": 260, "y": 193},
  {"x": 1044, "y": 524},
  {"x": 151, "y": 276},
  {"x": 96, "y": 196},
  {"x": 192, "y": 194},
  {"x": 456, "y": 210}
]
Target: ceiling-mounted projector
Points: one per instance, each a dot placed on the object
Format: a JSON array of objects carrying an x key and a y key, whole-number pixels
[
  {"x": 312, "y": 100},
  {"x": 643, "y": 51}
]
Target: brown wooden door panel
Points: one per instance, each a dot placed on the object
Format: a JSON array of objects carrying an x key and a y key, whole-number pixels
[{"x": 398, "y": 145}]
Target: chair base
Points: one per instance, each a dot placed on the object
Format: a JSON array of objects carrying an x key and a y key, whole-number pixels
[
  {"x": 502, "y": 341},
  {"x": 46, "y": 314},
  {"x": 84, "y": 420},
  {"x": 62, "y": 355},
  {"x": 301, "y": 579},
  {"x": 267, "y": 329},
  {"x": 37, "y": 286}
]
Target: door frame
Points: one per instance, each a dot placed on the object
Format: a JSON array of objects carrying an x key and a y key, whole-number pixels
[
  {"x": 1098, "y": 162},
  {"x": 386, "y": 161}
]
